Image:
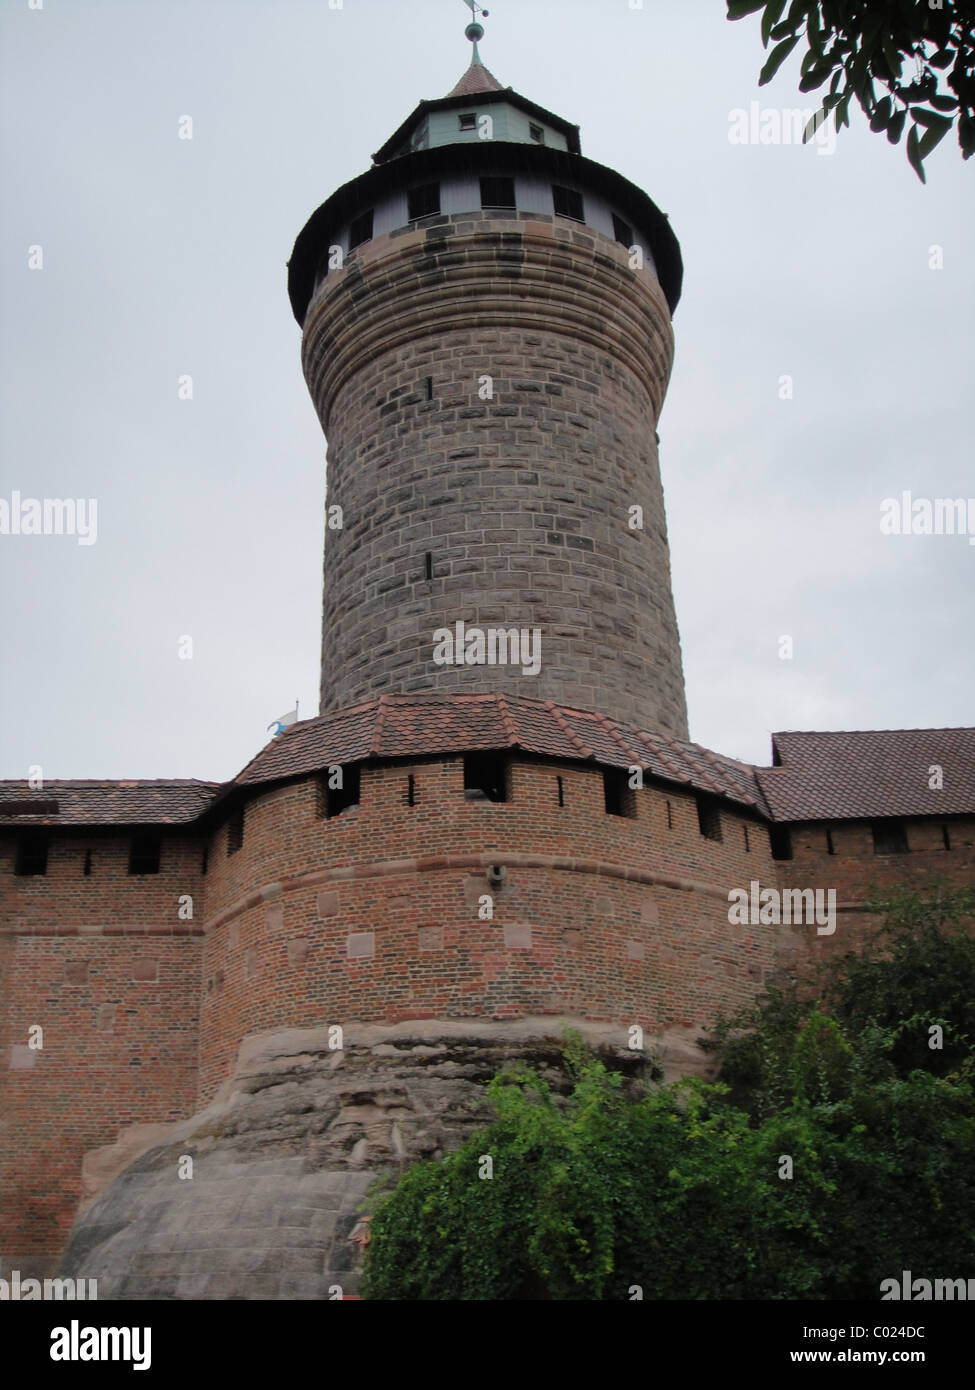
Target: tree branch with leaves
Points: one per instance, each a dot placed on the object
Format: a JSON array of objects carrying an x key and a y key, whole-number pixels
[{"x": 902, "y": 60}]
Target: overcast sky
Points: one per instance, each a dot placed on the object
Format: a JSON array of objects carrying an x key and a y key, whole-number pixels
[{"x": 164, "y": 257}]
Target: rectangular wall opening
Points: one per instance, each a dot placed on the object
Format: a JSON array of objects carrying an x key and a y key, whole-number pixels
[
  {"x": 708, "y": 818},
  {"x": 486, "y": 777},
  {"x": 31, "y": 859},
  {"x": 144, "y": 854}
]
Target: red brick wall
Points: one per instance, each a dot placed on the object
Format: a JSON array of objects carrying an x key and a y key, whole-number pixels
[
  {"x": 105, "y": 967},
  {"x": 854, "y": 870},
  {"x": 609, "y": 918},
  {"x": 615, "y": 919}
]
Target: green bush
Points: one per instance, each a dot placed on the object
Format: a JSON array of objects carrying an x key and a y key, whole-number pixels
[{"x": 836, "y": 1151}]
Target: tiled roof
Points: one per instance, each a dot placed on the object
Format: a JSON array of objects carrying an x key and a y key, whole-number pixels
[
  {"x": 476, "y": 79},
  {"x": 839, "y": 776},
  {"x": 105, "y": 803},
  {"x": 399, "y": 726},
  {"x": 859, "y": 776}
]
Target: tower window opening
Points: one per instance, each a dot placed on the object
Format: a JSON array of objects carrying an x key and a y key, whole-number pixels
[
  {"x": 339, "y": 799},
  {"x": 617, "y": 794},
  {"x": 423, "y": 201},
  {"x": 537, "y": 133},
  {"x": 946, "y": 837},
  {"x": 497, "y": 193},
  {"x": 428, "y": 569},
  {"x": 830, "y": 846},
  {"x": 205, "y": 860},
  {"x": 144, "y": 854},
  {"x": 360, "y": 230},
  {"x": 86, "y": 870},
  {"x": 410, "y": 791},
  {"x": 568, "y": 203},
  {"x": 486, "y": 777},
  {"x": 748, "y": 848},
  {"x": 708, "y": 818},
  {"x": 889, "y": 837},
  {"x": 622, "y": 231},
  {"x": 235, "y": 831},
  {"x": 780, "y": 840},
  {"x": 31, "y": 859},
  {"x": 429, "y": 388},
  {"x": 468, "y": 121},
  {"x": 670, "y": 817},
  {"x": 561, "y": 786}
]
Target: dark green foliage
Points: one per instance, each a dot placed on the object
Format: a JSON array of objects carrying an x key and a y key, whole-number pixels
[
  {"x": 679, "y": 1191},
  {"x": 899, "y": 58}
]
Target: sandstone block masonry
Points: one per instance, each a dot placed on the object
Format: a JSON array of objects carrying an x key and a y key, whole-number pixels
[{"x": 490, "y": 391}]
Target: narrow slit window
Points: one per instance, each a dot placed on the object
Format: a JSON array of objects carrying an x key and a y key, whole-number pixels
[
  {"x": 670, "y": 817},
  {"x": 429, "y": 564},
  {"x": 410, "y": 791},
  {"x": 235, "y": 831},
  {"x": 830, "y": 846},
  {"x": 87, "y": 867},
  {"x": 946, "y": 837},
  {"x": 748, "y": 848},
  {"x": 205, "y": 859},
  {"x": 429, "y": 388},
  {"x": 561, "y": 786},
  {"x": 144, "y": 854}
]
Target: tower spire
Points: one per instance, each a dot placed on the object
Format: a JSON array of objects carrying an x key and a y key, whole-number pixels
[
  {"x": 474, "y": 30},
  {"x": 476, "y": 78}
]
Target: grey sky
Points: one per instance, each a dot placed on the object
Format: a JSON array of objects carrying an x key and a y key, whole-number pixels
[{"x": 165, "y": 256}]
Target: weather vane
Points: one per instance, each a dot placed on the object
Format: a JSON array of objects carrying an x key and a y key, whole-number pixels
[{"x": 475, "y": 31}]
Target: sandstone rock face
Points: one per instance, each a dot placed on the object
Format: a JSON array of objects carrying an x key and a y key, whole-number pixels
[{"x": 283, "y": 1158}]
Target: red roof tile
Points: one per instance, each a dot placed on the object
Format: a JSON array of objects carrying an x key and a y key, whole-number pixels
[
  {"x": 866, "y": 775},
  {"x": 105, "y": 803},
  {"x": 476, "y": 79},
  {"x": 401, "y": 726},
  {"x": 822, "y": 776}
]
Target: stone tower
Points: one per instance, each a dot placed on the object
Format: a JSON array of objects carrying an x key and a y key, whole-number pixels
[{"x": 487, "y": 341}]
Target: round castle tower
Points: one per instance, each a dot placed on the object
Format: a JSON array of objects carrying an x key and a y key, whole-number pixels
[{"x": 487, "y": 341}]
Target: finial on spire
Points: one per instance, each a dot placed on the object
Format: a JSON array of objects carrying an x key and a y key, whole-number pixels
[{"x": 475, "y": 31}]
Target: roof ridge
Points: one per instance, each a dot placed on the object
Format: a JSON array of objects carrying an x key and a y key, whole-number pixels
[
  {"x": 613, "y": 730},
  {"x": 507, "y": 722},
  {"x": 375, "y": 745},
  {"x": 563, "y": 724}
]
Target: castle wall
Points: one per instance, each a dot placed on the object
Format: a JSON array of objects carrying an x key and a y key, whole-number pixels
[
  {"x": 855, "y": 872},
  {"x": 106, "y": 968},
  {"x": 373, "y": 915}
]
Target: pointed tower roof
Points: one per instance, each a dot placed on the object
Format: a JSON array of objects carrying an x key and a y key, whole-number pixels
[{"x": 476, "y": 79}]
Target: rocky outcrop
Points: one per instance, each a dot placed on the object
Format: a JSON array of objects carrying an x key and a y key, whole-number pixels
[{"x": 260, "y": 1195}]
